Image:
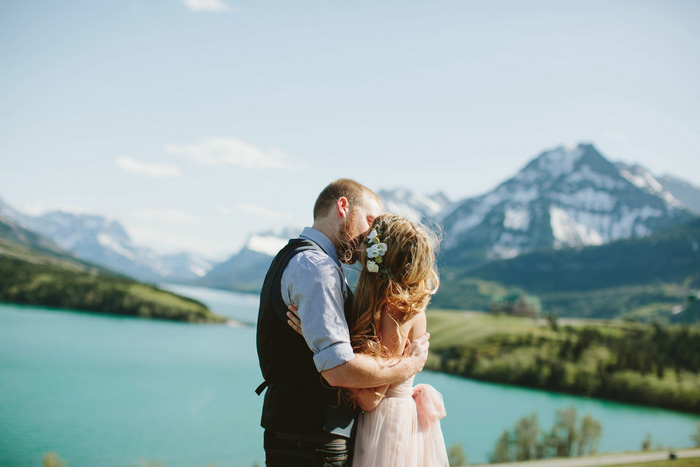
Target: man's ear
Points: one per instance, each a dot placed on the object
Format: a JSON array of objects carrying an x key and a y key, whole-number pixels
[{"x": 342, "y": 207}]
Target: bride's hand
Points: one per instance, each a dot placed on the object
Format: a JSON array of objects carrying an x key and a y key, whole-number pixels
[
  {"x": 294, "y": 321},
  {"x": 419, "y": 350}
]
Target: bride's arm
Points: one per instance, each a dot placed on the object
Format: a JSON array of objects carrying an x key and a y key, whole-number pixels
[{"x": 369, "y": 398}]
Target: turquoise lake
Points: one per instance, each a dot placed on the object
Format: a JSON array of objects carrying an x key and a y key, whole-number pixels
[{"x": 110, "y": 391}]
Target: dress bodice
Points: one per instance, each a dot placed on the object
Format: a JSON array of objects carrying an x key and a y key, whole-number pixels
[{"x": 401, "y": 389}]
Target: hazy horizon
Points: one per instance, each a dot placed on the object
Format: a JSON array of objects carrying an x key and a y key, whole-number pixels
[{"x": 196, "y": 123}]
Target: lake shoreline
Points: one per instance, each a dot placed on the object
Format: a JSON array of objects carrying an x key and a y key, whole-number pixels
[
  {"x": 432, "y": 366},
  {"x": 63, "y": 375}
]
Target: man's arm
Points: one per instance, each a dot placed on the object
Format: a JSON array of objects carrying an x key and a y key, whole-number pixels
[
  {"x": 364, "y": 371},
  {"x": 314, "y": 284}
]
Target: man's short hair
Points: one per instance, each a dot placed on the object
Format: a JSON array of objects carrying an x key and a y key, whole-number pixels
[{"x": 344, "y": 187}]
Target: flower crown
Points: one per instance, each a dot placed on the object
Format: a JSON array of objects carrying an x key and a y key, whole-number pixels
[{"x": 376, "y": 249}]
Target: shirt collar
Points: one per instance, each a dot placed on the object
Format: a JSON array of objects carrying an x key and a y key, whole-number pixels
[{"x": 322, "y": 241}]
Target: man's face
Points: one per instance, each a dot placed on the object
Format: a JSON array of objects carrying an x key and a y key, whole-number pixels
[{"x": 355, "y": 228}]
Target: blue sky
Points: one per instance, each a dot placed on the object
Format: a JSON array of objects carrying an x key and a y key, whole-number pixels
[{"x": 195, "y": 123}]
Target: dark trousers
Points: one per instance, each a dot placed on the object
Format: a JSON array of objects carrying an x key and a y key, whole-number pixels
[{"x": 289, "y": 450}]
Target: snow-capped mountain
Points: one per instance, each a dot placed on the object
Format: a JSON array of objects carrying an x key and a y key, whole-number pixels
[
  {"x": 13, "y": 232},
  {"x": 413, "y": 206},
  {"x": 645, "y": 180},
  {"x": 683, "y": 191},
  {"x": 105, "y": 242},
  {"x": 7, "y": 211},
  {"x": 245, "y": 271},
  {"x": 184, "y": 266},
  {"x": 563, "y": 198}
]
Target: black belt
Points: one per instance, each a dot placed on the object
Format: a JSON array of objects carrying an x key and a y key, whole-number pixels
[{"x": 319, "y": 438}]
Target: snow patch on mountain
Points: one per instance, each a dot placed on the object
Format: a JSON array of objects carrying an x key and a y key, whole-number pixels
[
  {"x": 684, "y": 191},
  {"x": 115, "y": 246},
  {"x": 104, "y": 241},
  {"x": 645, "y": 180},
  {"x": 587, "y": 175},
  {"x": 524, "y": 195},
  {"x": 474, "y": 215},
  {"x": 588, "y": 198},
  {"x": 517, "y": 218},
  {"x": 560, "y": 161},
  {"x": 508, "y": 245},
  {"x": 562, "y": 198},
  {"x": 413, "y": 206},
  {"x": 568, "y": 232},
  {"x": 266, "y": 244}
]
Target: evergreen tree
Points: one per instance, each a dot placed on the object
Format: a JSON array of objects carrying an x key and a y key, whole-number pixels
[
  {"x": 696, "y": 437},
  {"x": 456, "y": 455},
  {"x": 501, "y": 452},
  {"x": 566, "y": 432},
  {"x": 589, "y": 436},
  {"x": 527, "y": 431}
]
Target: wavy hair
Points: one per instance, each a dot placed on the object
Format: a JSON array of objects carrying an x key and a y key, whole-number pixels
[{"x": 405, "y": 283}]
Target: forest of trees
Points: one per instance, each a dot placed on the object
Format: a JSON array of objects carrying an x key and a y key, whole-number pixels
[
  {"x": 631, "y": 362},
  {"x": 567, "y": 437},
  {"x": 52, "y": 285}
]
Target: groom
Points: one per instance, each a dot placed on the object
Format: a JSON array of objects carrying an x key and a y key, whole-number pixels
[{"x": 306, "y": 422}]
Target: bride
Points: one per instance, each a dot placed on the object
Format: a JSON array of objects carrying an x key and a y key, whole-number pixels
[{"x": 399, "y": 424}]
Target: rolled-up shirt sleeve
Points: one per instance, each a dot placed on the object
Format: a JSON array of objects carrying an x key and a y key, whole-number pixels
[{"x": 315, "y": 283}]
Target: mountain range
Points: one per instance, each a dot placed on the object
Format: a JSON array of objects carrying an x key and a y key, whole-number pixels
[
  {"x": 564, "y": 198},
  {"x": 245, "y": 271},
  {"x": 105, "y": 242},
  {"x": 649, "y": 278}
]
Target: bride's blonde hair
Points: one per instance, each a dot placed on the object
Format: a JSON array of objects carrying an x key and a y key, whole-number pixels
[{"x": 406, "y": 280}]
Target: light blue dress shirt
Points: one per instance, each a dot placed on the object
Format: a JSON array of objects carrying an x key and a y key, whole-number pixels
[{"x": 315, "y": 282}]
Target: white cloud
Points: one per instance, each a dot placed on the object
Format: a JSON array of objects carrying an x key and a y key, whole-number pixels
[
  {"x": 217, "y": 6},
  {"x": 150, "y": 170},
  {"x": 231, "y": 151},
  {"x": 166, "y": 216}
]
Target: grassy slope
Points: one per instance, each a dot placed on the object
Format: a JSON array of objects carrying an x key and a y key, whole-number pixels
[
  {"x": 35, "y": 278},
  {"x": 615, "y": 360}
]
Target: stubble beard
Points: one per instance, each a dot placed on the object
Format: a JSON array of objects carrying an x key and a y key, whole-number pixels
[{"x": 350, "y": 240}]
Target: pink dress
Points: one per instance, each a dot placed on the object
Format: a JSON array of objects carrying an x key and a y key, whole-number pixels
[{"x": 404, "y": 429}]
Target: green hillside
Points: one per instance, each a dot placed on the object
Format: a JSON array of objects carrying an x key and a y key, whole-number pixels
[
  {"x": 53, "y": 278},
  {"x": 638, "y": 278},
  {"x": 630, "y": 362},
  {"x": 13, "y": 234}
]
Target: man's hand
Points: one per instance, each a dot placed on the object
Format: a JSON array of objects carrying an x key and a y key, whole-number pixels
[
  {"x": 365, "y": 371},
  {"x": 419, "y": 352},
  {"x": 294, "y": 321}
]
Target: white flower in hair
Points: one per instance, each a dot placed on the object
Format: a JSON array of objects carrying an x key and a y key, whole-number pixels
[
  {"x": 372, "y": 266},
  {"x": 381, "y": 248},
  {"x": 371, "y": 235},
  {"x": 373, "y": 251}
]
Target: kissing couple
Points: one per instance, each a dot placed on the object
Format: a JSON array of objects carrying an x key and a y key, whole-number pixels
[{"x": 339, "y": 367}]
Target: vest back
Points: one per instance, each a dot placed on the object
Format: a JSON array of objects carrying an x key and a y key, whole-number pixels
[{"x": 297, "y": 400}]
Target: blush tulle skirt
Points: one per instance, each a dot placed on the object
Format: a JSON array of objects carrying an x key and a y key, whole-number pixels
[{"x": 404, "y": 430}]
